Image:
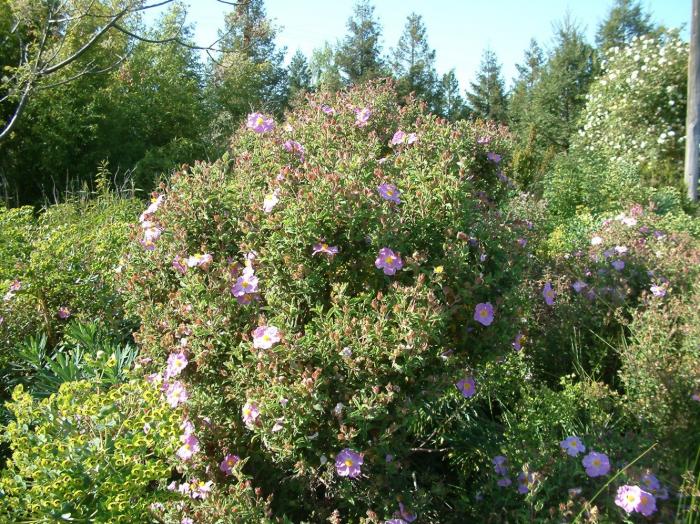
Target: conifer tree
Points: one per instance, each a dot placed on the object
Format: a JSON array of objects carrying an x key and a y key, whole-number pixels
[
  {"x": 625, "y": 20},
  {"x": 325, "y": 73},
  {"x": 487, "y": 97},
  {"x": 450, "y": 103},
  {"x": 299, "y": 74},
  {"x": 359, "y": 56},
  {"x": 413, "y": 62},
  {"x": 521, "y": 95}
]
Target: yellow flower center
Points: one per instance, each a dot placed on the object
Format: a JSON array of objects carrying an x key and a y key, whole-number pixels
[
  {"x": 550, "y": 294},
  {"x": 259, "y": 121},
  {"x": 348, "y": 462},
  {"x": 484, "y": 313},
  {"x": 631, "y": 497},
  {"x": 324, "y": 246},
  {"x": 246, "y": 412},
  {"x": 573, "y": 444},
  {"x": 596, "y": 462},
  {"x": 390, "y": 259},
  {"x": 439, "y": 269},
  {"x": 266, "y": 338},
  {"x": 389, "y": 192},
  {"x": 245, "y": 284}
]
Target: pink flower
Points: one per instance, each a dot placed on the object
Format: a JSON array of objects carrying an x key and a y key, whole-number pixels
[
  {"x": 389, "y": 192},
  {"x": 327, "y": 109},
  {"x": 178, "y": 265},
  {"x": 189, "y": 447},
  {"x": 466, "y": 386},
  {"x": 362, "y": 116},
  {"x": 483, "y": 140},
  {"x": 228, "y": 463},
  {"x": 63, "y": 312},
  {"x": 596, "y": 464},
  {"x": 200, "y": 489},
  {"x": 245, "y": 284},
  {"x": 388, "y": 261},
  {"x": 199, "y": 260},
  {"x": 549, "y": 294},
  {"x": 658, "y": 291},
  {"x": 628, "y": 497},
  {"x": 150, "y": 235},
  {"x": 260, "y": 123},
  {"x": 264, "y": 337},
  {"x": 292, "y": 146},
  {"x": 483, "y": 313},
  {"x": 324, "y": 249},
  {"x": 176, "y": 363},
  {"x": 400, "y": 138},
  {"x": 250, "y": 414},
  {"x": 348, "y": 463},
  {"x": 573, "y": 446},
  {"x": 176, "y": 394}
]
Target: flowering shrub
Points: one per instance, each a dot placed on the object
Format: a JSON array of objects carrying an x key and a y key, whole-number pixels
[
  {"x": 636, "y": 109},
  {"x": 331, "y": 337}
]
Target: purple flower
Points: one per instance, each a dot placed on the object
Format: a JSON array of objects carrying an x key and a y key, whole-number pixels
[
  {"x": 150, "y": 235},
  {"x": 63, "y": 312},
  {"x": 250, "y": 414},
  {"x": 228, "y": 463},
  {"x": 650, "y": 482},
  {"x": 348, "y": 463},
  {"x": 176, "y": 363},
  {"x": 549, "y": 294},
  {"x": 389, "y": 192},
  {"x": 199, "y": 260},
  {"x": 189, "y": 447},
  {"x": 362, "y": 116},
  {"x": 504, "y": 482},
  {"x": 245, "y": 284},
  {"x": 579, "y": 285},
  {"x": 520, "y": 339},
  {"x": 176, "y": 394},
  {"x": 619, "y": 265},
  {"x": 483, "y": 313},
  {"x": 178, "y": 265},
  {"x": 525, "y": 482},
  {"x": 596, "y": 464},
  {"x": 260, "y": 123},
  {"x": 264, "y": 337},
  {"x": 200, "y": 489},
  {"x": 403, "y": 138},
  {"x": 186, "y": 520},
  {"x": 292, "y": 146},
  {"x": 658, "y": 291},
  {"x": 522, "y": 242},
  {"x": 466, "y": 386},
  {"x": 696, "y": 396},
  {"x": 500, "y": 465},
  {"x": 628, "y": 497},
  {"x": 324, "y": 249},
  {"x": 647, "y": 503},
  {"x": 404, "y": 514},
  {"x": 493, "y": 157},
  {"x": 388, "y": 261},
  {"x": 156, "y": 202},
  {"x": 573, "y": 446},
  {"x": 327, "y": 109}
]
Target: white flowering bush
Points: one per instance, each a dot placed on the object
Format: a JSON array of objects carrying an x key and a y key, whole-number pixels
[{"x": 635, "y": 110}]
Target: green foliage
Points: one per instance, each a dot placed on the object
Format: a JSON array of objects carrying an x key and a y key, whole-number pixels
[
  {"x": 487, "y": 98},
  {"x": 88, "y": 454},
  {"x": 299, "y": 75},
  {"x": 450, "y": 103},
  {"x": 625, "y": 21},
  {"x": 635, "y": 111}
]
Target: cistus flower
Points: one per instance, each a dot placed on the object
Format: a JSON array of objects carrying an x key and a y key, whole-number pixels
[
  {"x": 186, "y": 520},
  {"x": 63, "y": 312},
  {"x": 189, "y": 447},
  {"x": 500, "y": 465},
  {"x": 176, "y": 394},
  {"x": 155, "y": 204},
  {"x": 658, "y": 291},
  {"x": 549, "y": 294},
  {"x": 596, "y": 241},
  {"x": 388, "y": 261},
  {"x": 493, "y": 157},
  {"x": 292, "y": 146},
  {"x": 579, "y": 285},
  {"x": 264, "y": 337},
  {"x": 348, "y": 463},
  {"x": 401, "y": 137},
  {"x": 260, "y": 123},
  {"x": 250, "y": 414},
  {"x": 525, "y": 482},
  {"x": 246, "y": 284},
  {"x": 647, "y": 503},
  {"x": 199, "y": 260},
  {"x": 178, "y": 265},
  {"x": 176, "y": 363},
  {"x": 389, "y": 192},
  {"x": 228, "y": 463},
  {"x": 362, "y": 116},
  {"x": 619, "y": 265},
  {"x": 650, "y": 482},
  {"x": 270, "y": 201},
  {"x": 519, "y": 341},
  {"x": 573, "y": 446},
  {"x": 150, "y": 235},
  {"x": 596, "y": 464},
  {"x": 483, "y": 140},
  {"x": 327, "y": 109},
  {"x": 404, "y": 514},
  {"x": 324, "y": 249},
  {"x": 483, "y": 313},
  {"x": 466, "y": 386},
  {"x": 200, "y": 489}
]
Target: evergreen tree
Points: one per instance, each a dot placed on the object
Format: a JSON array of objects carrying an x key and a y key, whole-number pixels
[
  {"x": 359, "y": 56},
  {"x": 559, "y": 94},
  {"x": 249, "y": 73},
  {"x": 521, "y": 95},
  {"x": 413, "y": 62},
  {"x": 299, "y": 75},
  {"x": 450, "y": 103},
  {"x": 325, "y": 73},
  {"x": 625, "y": 20},
  {"x": 487, "y": 98}
]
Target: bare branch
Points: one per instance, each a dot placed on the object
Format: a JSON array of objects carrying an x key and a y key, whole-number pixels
[
  {"x": 169, "y": 40},
  {"x": 84, "y": 72},
  {"x": 18, "y": 111}
]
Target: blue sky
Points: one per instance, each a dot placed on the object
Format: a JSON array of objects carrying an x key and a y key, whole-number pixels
[{"x": 458, "y": 30}]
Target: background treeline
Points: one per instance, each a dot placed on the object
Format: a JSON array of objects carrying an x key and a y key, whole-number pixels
[{"x": 145, "y": 98}]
